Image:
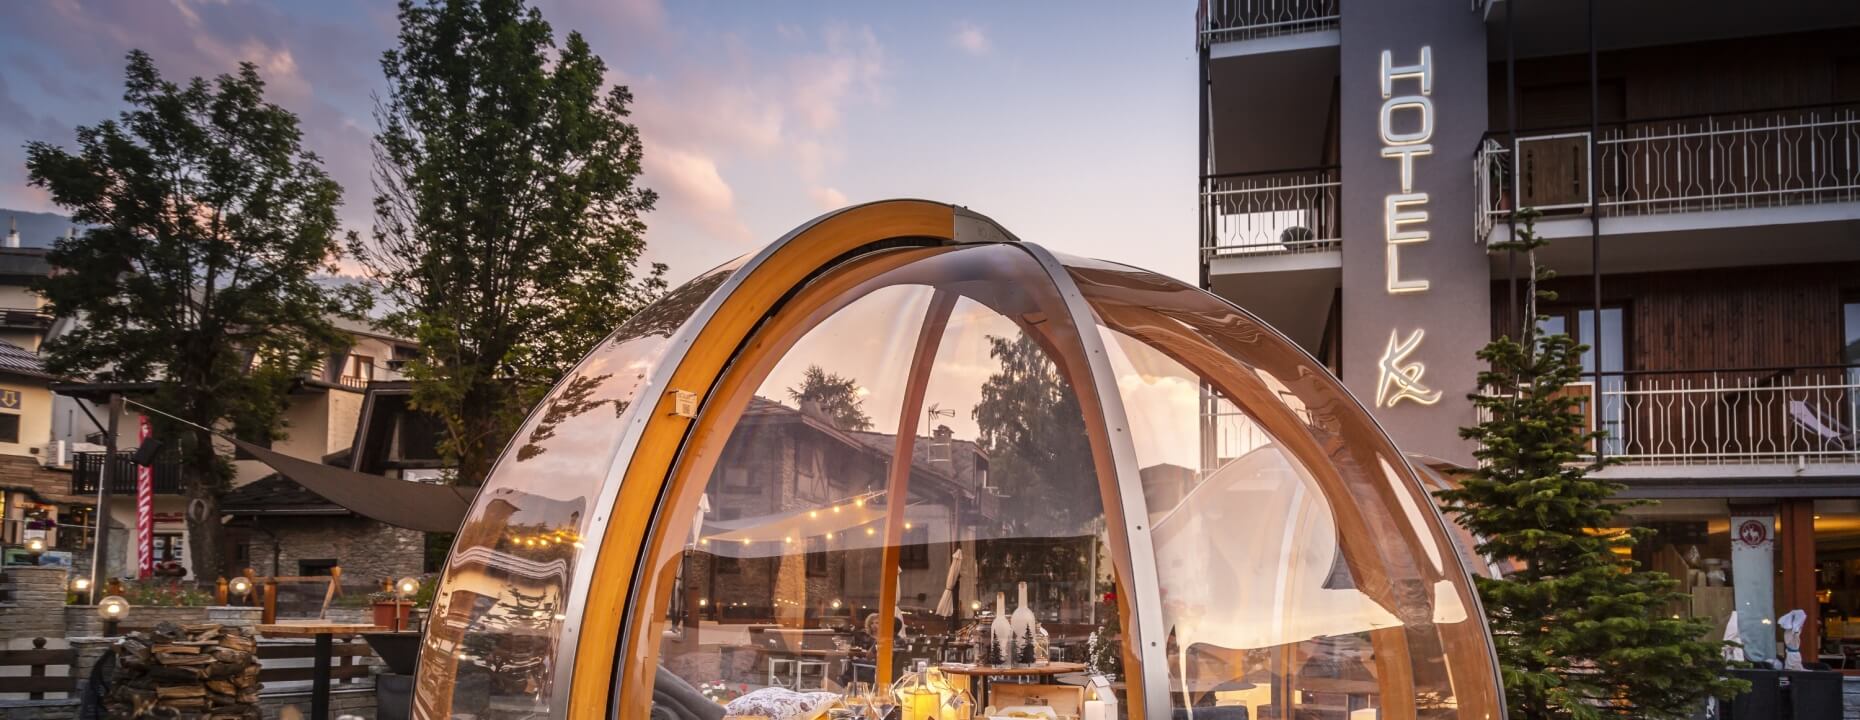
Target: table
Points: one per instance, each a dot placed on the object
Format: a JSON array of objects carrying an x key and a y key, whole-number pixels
[
  {"x": 981, "y": 675},
  {"x": 322, "y": 632}
]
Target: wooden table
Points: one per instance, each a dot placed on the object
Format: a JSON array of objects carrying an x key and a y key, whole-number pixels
[
  {"x": 323, "y": 633},
  {"x": 981, "y": 675}
]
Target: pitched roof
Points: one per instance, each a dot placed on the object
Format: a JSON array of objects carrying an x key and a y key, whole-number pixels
[
  {"x": 20, "y": 361},
  {"x": 274, "y": 493}
]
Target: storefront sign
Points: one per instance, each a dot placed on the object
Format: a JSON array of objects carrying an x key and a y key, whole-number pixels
[
  {"x": 1404, "y": 215},
  {"x": 145, "y": 508},
  {"x": 1753, "y": 573}
]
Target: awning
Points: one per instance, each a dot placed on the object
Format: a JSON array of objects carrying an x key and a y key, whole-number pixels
[{"x": 412, "y": 505}]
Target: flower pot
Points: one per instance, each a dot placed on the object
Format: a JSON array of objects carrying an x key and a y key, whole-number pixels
[{"x": 385, "y": 612}]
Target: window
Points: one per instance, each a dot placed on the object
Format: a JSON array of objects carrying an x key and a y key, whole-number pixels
[
  {"x": 9, "y": 427},
  {"x": 358, "y": 370},
  {"x": 1613, "y": 336},
  {"x": 816, "y": 557},
  {"x": 315, "y": 568},
  {"x": 915, "y": 553},
  {"x": 169, "y": 547},
  {"x": 1850, "y": 335}
]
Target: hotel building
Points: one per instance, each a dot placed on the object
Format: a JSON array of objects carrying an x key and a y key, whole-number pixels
[{"x": 1696, "y": 167}]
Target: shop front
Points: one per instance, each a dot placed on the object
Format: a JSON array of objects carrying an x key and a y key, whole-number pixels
[
  {"x": 1760, "y": 559},
  {"x": 899, "y": 447}
]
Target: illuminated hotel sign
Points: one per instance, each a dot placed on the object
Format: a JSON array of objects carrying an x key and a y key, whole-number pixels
[{"x": 1404, "y": 215}]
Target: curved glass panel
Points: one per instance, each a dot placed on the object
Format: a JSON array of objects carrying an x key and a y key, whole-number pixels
[
  {"x": 1303, "y": 571},
  {"x": 902, "y": 446},
  {"x": 496, "y": 621}
]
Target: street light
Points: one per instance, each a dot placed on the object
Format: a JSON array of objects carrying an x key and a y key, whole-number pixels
[
  {"x": 112, "y": 609},
  {"x": 402, "y": 588}
]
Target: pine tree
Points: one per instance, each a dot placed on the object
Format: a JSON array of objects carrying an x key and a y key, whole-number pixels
[
  {"x": 1023, "y": 650},
  {"x": 1579, "y": 630}
]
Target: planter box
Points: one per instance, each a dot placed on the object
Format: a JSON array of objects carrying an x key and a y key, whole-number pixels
[{"x": 385, "y": 612}]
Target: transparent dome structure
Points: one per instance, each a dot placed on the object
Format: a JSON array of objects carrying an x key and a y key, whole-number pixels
[{"x": 818, "y": 465}]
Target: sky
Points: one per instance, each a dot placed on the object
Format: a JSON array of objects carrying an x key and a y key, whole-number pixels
[{"x": 1073, "y": 126}]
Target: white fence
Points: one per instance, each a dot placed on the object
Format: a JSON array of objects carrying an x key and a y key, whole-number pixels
[
  {"x": 1718, "y": 162},
  {"x": 1231, "y": 20},
  {"x": 1734, "y": 418},
  {"x": 1271, "y": 213}
]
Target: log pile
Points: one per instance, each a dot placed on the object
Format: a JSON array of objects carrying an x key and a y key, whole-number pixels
[{"x": 191, "y": 672}]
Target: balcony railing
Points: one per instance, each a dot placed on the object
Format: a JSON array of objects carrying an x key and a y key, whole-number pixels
[
  {"x": 87, "y": 469},
  {"x": 1272, "y": 213},
  {"x": 1733, "y": 417},
  {"x": 1218, "y": 21},
  {"x": 1796, "y": 156}
]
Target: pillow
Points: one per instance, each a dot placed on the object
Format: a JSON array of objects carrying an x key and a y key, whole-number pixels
[{"x": 779, "y": 703}]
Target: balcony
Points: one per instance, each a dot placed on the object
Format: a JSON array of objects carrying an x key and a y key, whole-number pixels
[
  {"x": 1220, "y": 21},
  {"x": 1276, "y": 212},
  {"x": 87, "y": 470},
  {"x": 1781, "y": 160},
  {"x": 1789, "y": 417}
]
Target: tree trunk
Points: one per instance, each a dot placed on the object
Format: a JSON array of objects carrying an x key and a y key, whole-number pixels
[{"x": 203, "y": 483}]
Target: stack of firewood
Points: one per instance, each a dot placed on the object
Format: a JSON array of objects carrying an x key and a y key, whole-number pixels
[{"x": 186, "y": 671}]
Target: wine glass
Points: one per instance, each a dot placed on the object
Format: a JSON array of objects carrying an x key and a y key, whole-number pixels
[{"x": 879, "y": 703}]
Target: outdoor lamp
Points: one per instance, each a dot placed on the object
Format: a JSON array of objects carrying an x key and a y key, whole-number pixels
[
  {"x": 402, "y": 588},
  {"x": 35, "y": 545},
  {"x": 80, "y": 584},
  {"x": 239, "y": 586},
  {"x": 112, "y": 609}
]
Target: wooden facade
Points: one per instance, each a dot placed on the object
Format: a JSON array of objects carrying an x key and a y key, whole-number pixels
[{"x": 1779, "y": 317}]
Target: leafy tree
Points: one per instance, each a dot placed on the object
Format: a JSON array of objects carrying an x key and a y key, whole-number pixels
[
  {"x": 1031, "y": 426},
  {"x": 206, "y": 223},
  {"x": 507, "y": 216},
  {"x": 1580, "y": 632},
  {"x": 837, "y": 397}
]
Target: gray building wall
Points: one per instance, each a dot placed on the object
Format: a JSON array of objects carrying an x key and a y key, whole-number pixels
[{"x": 1453, "y": 313}]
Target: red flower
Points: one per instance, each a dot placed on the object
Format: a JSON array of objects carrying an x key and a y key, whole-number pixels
[{"x": 1110, "y": 598}]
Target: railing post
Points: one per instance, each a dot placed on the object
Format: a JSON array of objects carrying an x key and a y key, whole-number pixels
[
  {"x": 219, "y": 591},
  {"x": 270, "y": 612}
]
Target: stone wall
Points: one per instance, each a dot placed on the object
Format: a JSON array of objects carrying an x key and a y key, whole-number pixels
[
  {"x": 34, "y": 598},
  {"x": 368, "y": 551},
  {"x": 82, "y": 620}
]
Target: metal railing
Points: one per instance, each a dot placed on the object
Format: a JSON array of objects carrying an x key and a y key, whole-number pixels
[
  {"x": 1795, "y": 156},
  {"x": 1271, "y": 213},
  {"x": 1733, "y": 417},
  {"x": 87, "y": 469},
  {"x": 1218, "y": 21}
]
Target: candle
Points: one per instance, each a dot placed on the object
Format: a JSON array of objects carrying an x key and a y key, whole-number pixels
[{"x": 1097, "y": 710}]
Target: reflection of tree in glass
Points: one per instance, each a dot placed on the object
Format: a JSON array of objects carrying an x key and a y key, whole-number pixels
[
  {"x": 1034, "y": 433},
  {"x": 838, "y": 398},
  {"x": 574, "y": 398}
]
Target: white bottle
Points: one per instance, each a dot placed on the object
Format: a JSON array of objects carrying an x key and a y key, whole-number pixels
[
  {"x": 1023, "y": 622},
  {"x": 1000, "y": 632}
]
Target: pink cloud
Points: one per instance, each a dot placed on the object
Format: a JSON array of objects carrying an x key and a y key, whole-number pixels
[
  {"x": 690, "y": 186},
  {"x": 970, "y": 38}
]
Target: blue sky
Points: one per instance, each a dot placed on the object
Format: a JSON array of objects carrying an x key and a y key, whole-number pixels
[{"x": 1073, "y": 125}]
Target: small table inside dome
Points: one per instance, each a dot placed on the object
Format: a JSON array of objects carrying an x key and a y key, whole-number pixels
[{"x": 982, "y": 675}]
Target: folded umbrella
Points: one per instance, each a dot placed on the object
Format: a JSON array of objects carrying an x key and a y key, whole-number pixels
[{"x": 947, "y": 606}]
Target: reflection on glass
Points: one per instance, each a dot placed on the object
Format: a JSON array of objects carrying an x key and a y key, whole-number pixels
[
  {"x": 1299, "y": 576},
  {"x": 497, "y": 616},
  {"x": 897, "y": 464}
]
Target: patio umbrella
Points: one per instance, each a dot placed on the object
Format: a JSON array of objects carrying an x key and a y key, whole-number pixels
[{"x": 947, "y": 606}]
